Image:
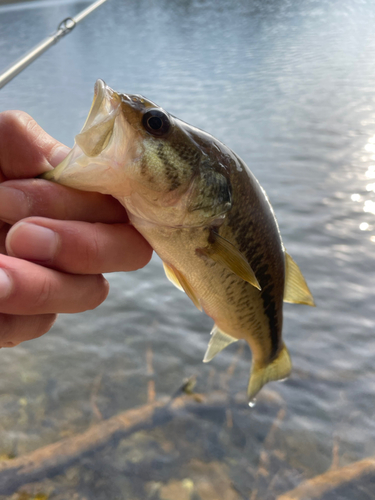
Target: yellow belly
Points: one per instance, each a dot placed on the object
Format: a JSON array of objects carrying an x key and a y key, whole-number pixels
[{"x": 234, "y": 305}]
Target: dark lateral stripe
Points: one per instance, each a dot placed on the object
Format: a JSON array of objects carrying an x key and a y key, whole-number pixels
[
  {"x": 144, "y": 166},
  {"x": 247, "y": 245},
  {"x": 171, "y": 171},
  {"x": 269, "y": 306}
]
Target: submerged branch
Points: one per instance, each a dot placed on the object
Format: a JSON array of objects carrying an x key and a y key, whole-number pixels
[
  {"x": 54, "y": 458},
  {"x": 316, "y": 487}
]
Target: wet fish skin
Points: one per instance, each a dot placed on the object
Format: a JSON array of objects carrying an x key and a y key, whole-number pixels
[{"x": 202, "y": 211}]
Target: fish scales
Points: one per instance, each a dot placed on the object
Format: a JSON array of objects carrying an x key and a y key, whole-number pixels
[
  {"x": 257, "y": 236},
  {"x": 204, "y": 214}
]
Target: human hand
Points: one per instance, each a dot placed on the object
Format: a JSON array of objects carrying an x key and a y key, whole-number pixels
[{"x": 54, "y": 241}]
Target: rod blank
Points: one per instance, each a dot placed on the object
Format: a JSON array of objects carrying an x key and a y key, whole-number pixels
[{"x": 65, "y": 27}]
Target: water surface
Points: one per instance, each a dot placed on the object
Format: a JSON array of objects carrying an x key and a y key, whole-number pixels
[{"x": 289, "y": 86}]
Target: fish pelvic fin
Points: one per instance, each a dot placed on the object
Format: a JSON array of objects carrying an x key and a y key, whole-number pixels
[
  {"x": 182, "y": 283},
  {"x": 278, "y": 369},
  {"x": 218, "y": 341},
  {"x": 225, "y": 253},
  {"x": 170, "y": 274},
  {"x": 296, "y": 289}
]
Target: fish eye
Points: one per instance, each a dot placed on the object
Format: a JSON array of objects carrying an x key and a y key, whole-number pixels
[{"x": 156, "y": 122}]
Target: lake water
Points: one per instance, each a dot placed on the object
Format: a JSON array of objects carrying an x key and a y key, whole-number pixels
[{"x": 290, "y": 87}]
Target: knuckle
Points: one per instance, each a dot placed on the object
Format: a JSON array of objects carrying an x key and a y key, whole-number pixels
[
  {"x": 31, "y": 126},
  {"x": 13, "y": 120},
  {"x": 92, "y": 258},
  {"x": 43, "y": 293}
]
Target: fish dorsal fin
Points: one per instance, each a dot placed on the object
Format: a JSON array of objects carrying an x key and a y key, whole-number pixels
[
  {"x": 225, "y": 253},
  {"x": 172, "y": 277},
  {"x": 296, "y": 289},
  {"x": 218, "y": 341},
  {"x": 180, "y": 281}
]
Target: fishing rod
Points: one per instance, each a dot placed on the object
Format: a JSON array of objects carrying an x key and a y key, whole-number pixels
[{"x": 65, "y": 27}]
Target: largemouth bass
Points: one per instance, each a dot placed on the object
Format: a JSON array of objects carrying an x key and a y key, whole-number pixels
[{"x": 203, "y": 212}]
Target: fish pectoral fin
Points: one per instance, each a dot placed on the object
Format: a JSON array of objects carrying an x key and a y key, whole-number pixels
[
  {"x": 172, "y": 276},
  {"x": 181, "y": 282},
  {"x": 296, "y": 289},
  {"x": 218, "y": 341},
  {"x": 96, "y": 138},
  {"x": 278, "y": 369},
  {"x": 225, "y": 253}
]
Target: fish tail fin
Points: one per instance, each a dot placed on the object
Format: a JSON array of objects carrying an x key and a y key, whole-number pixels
[{"x": 278, "y": 369}]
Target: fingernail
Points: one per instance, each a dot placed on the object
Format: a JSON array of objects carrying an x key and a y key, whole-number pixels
[
  {"x": 14, "y": 204},
  {"x": 5, "y": 284},
  {"x": 58, "y": 155},
  {"x": 32, "y": 242}
]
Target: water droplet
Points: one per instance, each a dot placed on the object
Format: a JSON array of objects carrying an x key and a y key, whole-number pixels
[{"x": 252, "y": 402}]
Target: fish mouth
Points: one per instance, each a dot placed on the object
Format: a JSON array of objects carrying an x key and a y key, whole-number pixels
[
  {"x": 93, "y": 152},
  {"x": 105, "y": 104}
]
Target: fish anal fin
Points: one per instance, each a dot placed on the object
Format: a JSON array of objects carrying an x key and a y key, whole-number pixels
[
  {"x": 296, "y": 289},
  {"x": 225, "y": 253},
  {"x": 218, "y": 341},
  {"x": 182, "y": 280},
  {"x": 170, "y": 274},
  {"x": 278, "y": 369}
]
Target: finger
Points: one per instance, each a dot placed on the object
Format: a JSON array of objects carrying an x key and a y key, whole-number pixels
[
  {"x": 26, "y": 288},
  {"x": 79, "y": 247},
  {"x": 4, "y": 228},
  {"x": 39, "y": 150},
  {"x": 17, "y": 329},
  {"x": 37, "y": 197}
]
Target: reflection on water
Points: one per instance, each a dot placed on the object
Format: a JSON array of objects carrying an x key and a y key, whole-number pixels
[
  {"x": 369, "y": 203},
  {"x": 290, "y": 87}
]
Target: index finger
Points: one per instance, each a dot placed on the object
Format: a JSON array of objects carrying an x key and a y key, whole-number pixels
[
  {"x": 27, "y": 150},
  {"x": 36, "y": 197}
]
